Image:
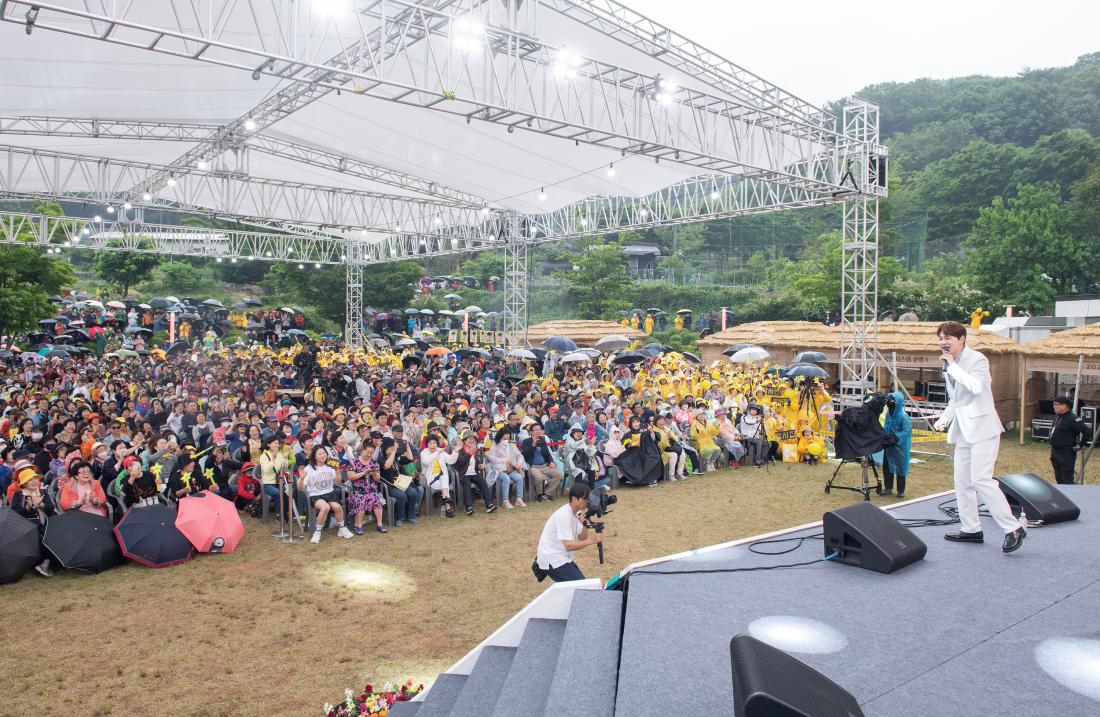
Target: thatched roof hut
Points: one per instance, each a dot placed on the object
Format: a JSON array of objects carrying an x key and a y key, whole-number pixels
[
  {"x": 1059, "y": 355},
  {"x": 1068, "y": 344},
  {"x": 911, "y": 345},
  {"x": 584, "y": 333}
]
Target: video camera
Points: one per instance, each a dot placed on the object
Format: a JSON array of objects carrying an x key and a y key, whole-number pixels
[{"x": 600, "y": 501}]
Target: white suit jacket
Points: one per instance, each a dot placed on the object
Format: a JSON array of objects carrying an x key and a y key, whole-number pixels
[{"x": 970, "y": 411}]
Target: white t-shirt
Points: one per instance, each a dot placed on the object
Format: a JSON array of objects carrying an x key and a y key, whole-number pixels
[
  {"x": 562, "y": 525},
  {"x": 319, "y": 481}
]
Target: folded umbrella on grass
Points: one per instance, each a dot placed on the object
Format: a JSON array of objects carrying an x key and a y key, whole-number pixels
[
  {"x": 149, "y": 536},
  {"x": 19, "y": 548},
  {"x": 82, "y": 541},
  {"x": 210, "y": 522}
]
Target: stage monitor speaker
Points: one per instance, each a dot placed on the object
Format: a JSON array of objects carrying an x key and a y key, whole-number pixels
[
  {"x": 1039, "y": 499},
  {"x": 870, "y": 538},
  {"x": 770, "y": 683}
]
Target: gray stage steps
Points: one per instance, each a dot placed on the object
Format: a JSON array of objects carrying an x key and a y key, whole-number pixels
[
  {"x": 405, "y": 709},
  {"x": 560, "y": 668}
]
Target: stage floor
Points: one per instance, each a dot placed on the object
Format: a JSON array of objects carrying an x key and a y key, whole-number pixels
[{"x": 968, "y": 630}]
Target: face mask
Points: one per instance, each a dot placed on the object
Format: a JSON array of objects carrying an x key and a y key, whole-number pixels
[
  {"x": 36, "y": 436},
  {"x": 103, "y": 455}
]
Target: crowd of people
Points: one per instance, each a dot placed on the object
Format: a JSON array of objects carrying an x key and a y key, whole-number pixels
[{"x": 348, "y": 434}]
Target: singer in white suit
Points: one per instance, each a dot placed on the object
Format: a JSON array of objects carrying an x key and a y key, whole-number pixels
[{"x": 975, "y": 430}]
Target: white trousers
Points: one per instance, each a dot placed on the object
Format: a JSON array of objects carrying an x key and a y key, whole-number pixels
[{"x": 974, "y": 463}]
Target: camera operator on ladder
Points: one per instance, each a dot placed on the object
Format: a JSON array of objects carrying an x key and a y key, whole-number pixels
[
  {"x": 563, "y": 535},
  {"x": 975, "y": 430}
]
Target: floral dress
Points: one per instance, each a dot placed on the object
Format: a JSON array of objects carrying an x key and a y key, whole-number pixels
[{"x": 364, "y": 494}]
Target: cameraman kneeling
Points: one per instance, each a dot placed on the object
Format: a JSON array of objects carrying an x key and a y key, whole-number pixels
[{"x": 564, "y": 534}]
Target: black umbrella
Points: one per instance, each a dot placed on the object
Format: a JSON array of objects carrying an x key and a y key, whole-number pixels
[
  {"x": 78, "y": 335},
  {"x": 54, "y": 299},
  {"x": 255, "y": 327},
  {"x": 213, "y": 302},
  {"x": 47, "y": 322},
  {"x": 810, "y": 357},
  {"x": 692, "y": 358},
  {"x": 563, "y": 344},
  {"x": 735, "y": 348},
  {"x": 137, "y": 330},
  {"x": 19, "y": 549},
  {"x": 253, "y": 302},
  {"x": 472, "y": 351},
  {"x": 655, "y": 348},
  {"x": 539, "y": 353},
  {"x": 149, "y": 535},
  {"x": 239, "y": 305},
  {"x": 82, "y": 541},
  {"x": 411, "y": 359},
  {"x": 158, "y": 302},
  {"x": 628, "y": 357},
  {"x": 56, "y": 353},
  {"x": 807, "y": 370},
  {"x": 652, "y": 310},
  {"x": 63, "y": 339},
  {"x": 176, "y": 348},
  {"x": 187, "y": 316},
  {"x": 297, "y": 332}
]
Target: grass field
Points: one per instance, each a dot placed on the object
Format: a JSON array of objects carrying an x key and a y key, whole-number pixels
[{"x": 278, "y": 630}]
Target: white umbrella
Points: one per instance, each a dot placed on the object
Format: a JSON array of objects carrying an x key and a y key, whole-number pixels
[
  {"x": 576, "y": 357},
  {"x": 94, "y": 303},
  {"x": 116, "y": 304},
  {"x": 750, "y": 354},
  {"x": 171, "y": 300},
  {"x": 427, "y": 312},
  {"x": 522, "y": 354},
  {"x": 613, "y": 343},
  {"x": 472, "y": 309}
]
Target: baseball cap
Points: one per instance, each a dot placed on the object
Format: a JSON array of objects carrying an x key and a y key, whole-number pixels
[{"x": 1064, "y": 400}]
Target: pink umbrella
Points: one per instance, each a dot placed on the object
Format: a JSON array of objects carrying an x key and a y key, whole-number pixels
[{"x": 210, "y": 522}]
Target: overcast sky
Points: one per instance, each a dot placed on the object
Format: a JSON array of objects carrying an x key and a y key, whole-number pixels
[{"x": 823, "y": 51}]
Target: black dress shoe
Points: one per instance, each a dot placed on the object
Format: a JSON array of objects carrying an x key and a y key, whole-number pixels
[
  {"x": 963, "y": 537},
  {"x": 1014, "y": 540}
]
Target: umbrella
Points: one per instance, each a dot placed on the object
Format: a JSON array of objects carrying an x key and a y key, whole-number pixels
[
  {"x": 807, "y": 370},
  {"x": 92, "y": 302},
  {"x": 213, "y": 302},
  {"x": 560, "y": 343},
  {"x": 404, "y": 343},
  {"x": 288, "y": 310},
  {"x": 473, "y": 351},
  {"x": 810, "y": 357},
  {"x": 653, "y": 310},
  {"x": 614, "y": 342},
  {"x": 692, "y": 357},
  {"x": 77, "y": 335},
  {"x": 657, "y": 348},
  {"x": 149, "y": 535},
  {"x": 576, "y": 357},
  {"x": 63, "y": 339},
  {"x": 82, "y": 541},
  {"x": 683, "y": 311},
  {"x": 210, "y": 522},
  {"x": 590, "y": 352},
  {"x": 188, "y": 316},
  {"x": 146, "y": 307},
  {"x": 521, "y": 354},
  {"x": 437, "y": 351},
  {"x": 396, "y": 312},
  {"x": 116, "y": 304},
  {"x": 174, "y": 310},
  {"x": 238, "y": 305},
  {"x": 158, "y": 302},
  {"x": 54, "y": 299},
  {"x": 383, "y": 317},
  {"x": 417, "y": 359},
  {"x": 255, "y": 327},
  {"x": 731, "y": 350},
  {"x": 126, "y": 353},
  {"x": 19, "y": 550},
  {"x": 427, "y": 312},
  {"x": 172, "y": 300},
  {"x": 412, "y": 311},
  {"x": 76, "y": 322},
  {"x": 473, "y": 309},
  {"x": 628, "y": 357},
  {"x": 176, "y": 348},
  {"x": 56, "y": 353},
  {"x": 137, "y": 330},
  {"x": 750, "y": 353},
  {"x": 296, "y": 332},
  {"x": 29, "y": 356},
  {"x": 253, "y": 302},
  {"x": 446, "y": 312},
  {"x": 47, "y": 322},
  {"x": 453, "y": 297},
  {"x": 379, "y": 343},
  {"x": 539, "y": 353}
]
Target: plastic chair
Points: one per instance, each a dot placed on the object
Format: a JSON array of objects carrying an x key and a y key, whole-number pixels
[{"x": 311, "y": 511}]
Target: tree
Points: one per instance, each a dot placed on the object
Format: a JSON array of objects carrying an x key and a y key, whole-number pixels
[
  {"x": 1022, "y": 249},
  {"x": 385, "y": 286},
  {"x": 598, "y": 282},
  {"x": 27, "y": 278},
  {"x": 126, "y": 268}
]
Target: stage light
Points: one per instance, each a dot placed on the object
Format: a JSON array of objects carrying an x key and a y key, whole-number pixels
[
  {"x": 317, "y": 265},
  {"x": 438, "y": 221},
  {"x": 233, "y": 260},
  {"x": 269, "y": 253},
  {"x": 201, "y": 164},
  {"x": 85, "y": 231},
  {"x": 643, "y": 213},
  {"x": 534, "y": 231},
  {"x": 171, "y": 181},
  {"x": 250, "y": 124},
  {"x": 611, "y": 170},
  {"x": 146, "y": 197},
  {"x": 218, "y": 259},
  {"x": 110, "y": 209},
  {"x": 567, "y": 62},
  {"x": 301, "y": 266},
  {"x": 714, "y": 194},
  {"x": 97, "y": 218},
  {"x": 127, "y": 206},
  {"x": 542, "y": 194},
  {"x": 397, "y": 227},
  {"x": 485, "y": 211},
  {"x": 798, "y": 634},
  {"x": 584, "y": 222},
  {"x": 343, "y": 257},
  {"x": 467, "y": 34},
  {"x": 1074, "y": 662}
]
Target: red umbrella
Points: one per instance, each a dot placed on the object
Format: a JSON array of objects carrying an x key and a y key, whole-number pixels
[{"x": 210, "y": 522}]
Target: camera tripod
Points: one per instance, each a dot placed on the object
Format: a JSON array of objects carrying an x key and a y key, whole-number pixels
[
  {"x": 597, "y": 526},
  {"x": 867, "y": 465}
]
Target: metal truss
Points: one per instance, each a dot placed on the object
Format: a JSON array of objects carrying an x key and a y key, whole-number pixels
[
  {"x": 272, "y": 145},
  {"x": 227, "y": 193},
  {"x": 477, "y": 72},
  {"x": 515, "y": 289},
  {"x": 220, "y": 244},
  {"x": 353, "y": 283},
  {"x": 859, "y": 254}
]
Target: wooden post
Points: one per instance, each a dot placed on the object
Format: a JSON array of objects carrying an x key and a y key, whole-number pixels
[
  {"x": 1077, "y": 381},
  {"x": 1023, "y": 395}
]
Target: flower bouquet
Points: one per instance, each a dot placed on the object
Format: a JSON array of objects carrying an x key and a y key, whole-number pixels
[{"x": 369, "y": 702}]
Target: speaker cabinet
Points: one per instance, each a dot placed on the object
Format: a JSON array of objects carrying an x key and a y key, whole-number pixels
[
  {"x": 870, "y": 538},
  {"x": 1039, "y": 499},
  {"x": 770, "y": 683}
]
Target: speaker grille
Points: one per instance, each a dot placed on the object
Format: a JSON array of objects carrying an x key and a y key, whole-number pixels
[{"x": 768, "y": 682}]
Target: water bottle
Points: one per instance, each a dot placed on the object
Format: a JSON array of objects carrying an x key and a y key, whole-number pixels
[{"x": 1023, "y": 520}]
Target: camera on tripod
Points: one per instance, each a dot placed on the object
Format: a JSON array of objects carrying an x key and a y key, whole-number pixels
[{"x": 600, "y": 501}]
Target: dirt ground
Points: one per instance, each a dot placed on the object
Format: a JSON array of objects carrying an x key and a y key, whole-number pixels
[{"x": 280, "y": 629}]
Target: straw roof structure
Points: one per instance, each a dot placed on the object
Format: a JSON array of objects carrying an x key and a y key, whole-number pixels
[
  {"x": 584, "y": 333},
  {"x": 900, "y": 336},
  {"x": 1069, "y": 344}
]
